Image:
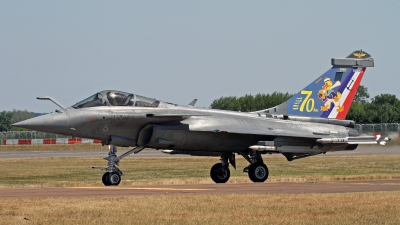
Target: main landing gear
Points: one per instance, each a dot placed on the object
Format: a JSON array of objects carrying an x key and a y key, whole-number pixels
[
  {"x": 220, "y": 172},
  {"x": 257, "y": 170},
  {"x": 113, "y": 175}
]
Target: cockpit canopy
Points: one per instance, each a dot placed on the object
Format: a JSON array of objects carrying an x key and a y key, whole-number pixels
[{"x": 116, "y": 98}]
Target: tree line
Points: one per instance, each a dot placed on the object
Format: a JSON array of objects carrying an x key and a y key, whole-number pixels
[
  {"x": 8, "y": 118},
  {"x": 249, "y": 103},
  {"x": 383, "y": 108}
]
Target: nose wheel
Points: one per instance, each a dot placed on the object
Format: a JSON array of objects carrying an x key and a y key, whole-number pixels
[
  {"x": 111, "y": 179},
  {"x": 105, "y": 178}
]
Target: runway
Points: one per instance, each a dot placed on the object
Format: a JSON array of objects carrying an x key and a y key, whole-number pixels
[
  {"x": 243, "y": 188},
  {"x": 363, "y": 150}
]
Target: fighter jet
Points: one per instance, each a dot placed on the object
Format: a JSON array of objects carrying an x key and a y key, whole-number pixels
[{"x": 312, "y": 122}]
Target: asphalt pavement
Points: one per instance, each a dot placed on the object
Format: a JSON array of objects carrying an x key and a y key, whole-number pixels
[{"x": 228, "y": 188}]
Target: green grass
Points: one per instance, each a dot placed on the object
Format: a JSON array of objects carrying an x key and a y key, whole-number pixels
[{"x": 50, "y": 172}]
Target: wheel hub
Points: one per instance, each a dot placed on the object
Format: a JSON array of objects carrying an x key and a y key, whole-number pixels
[
  {"x": 260, "y": 172},
  {"x": 114, "y": 178},
  {"x": 222, "y": 173}
]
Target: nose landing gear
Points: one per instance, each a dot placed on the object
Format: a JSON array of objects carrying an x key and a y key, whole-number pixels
[{"x": 113, "y": 175}]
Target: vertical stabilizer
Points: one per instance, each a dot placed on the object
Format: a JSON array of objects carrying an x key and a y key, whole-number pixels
[{"x": 331, "y": 94}]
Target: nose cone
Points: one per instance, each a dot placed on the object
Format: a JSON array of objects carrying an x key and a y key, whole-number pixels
[{"x": 51, "y": 123}]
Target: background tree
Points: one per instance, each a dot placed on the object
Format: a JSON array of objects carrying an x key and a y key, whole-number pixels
[
  {"x": 386, "y": 108},
  {"x": 6, "y": 121},
  {"x": 362, "y": 94},
  {"x": 359, "y": 111},
  {"x": 227, "y": 103},
  {"x": 8, "y": 118},
  {"x": 20, "y": 115},
  {"x": 249, "y": 103},
  {"x": 383, "y": 108}
]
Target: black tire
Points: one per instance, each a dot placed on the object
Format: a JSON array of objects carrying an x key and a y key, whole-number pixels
[
  {"x": 114, "y": 179},
  {"x": 258, "y": 172},
  {"x": 105, "y": 179},
  {"x": 220, "y": 174}
]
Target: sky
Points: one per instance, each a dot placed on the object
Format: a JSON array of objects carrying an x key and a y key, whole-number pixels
[{"x": 176, "y": 51}]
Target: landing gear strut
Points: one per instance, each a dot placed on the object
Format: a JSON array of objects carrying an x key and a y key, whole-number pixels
[
  {"x": 257, "y": 170},
  {"x": 113, "y": 175}
]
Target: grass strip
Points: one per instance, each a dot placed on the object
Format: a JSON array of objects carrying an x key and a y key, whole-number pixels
[
  {"x": 347, "y": 208},
  {"x": 74, "y": 171}
]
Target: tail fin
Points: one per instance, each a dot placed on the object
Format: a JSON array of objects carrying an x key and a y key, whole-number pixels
[{"x": 331, "y": 94}]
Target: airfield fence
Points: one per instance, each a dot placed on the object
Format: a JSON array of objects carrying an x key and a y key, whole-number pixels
[
  {"x": 391, "y": 130},
  {"x": 34, "y": 137}
]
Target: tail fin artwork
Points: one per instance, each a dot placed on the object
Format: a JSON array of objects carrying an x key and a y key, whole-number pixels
[{"x": 331, "y": 94}]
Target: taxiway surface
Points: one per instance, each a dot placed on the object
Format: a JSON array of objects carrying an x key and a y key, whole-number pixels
[{"x": 242, "y": 188}]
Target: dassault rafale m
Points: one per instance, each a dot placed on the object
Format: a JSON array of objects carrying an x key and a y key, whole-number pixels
[{"x": 312, "y": 122}]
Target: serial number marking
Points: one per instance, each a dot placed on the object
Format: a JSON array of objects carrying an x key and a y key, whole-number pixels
[{"x": 298, "y": 126}]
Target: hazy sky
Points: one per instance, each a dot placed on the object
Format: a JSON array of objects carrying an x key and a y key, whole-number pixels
[{"x": 180, "y": 50}]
